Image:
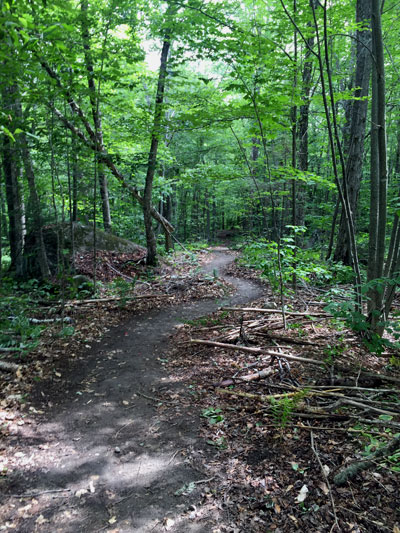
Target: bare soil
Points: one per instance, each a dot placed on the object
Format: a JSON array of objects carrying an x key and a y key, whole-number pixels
[{"x": 112, "y": 442}]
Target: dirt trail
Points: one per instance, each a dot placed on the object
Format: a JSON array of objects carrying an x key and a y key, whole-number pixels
[{"x": 113, "y": 460}]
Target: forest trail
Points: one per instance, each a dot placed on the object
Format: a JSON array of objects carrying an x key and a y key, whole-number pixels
[{"x": 106, "y": 456}]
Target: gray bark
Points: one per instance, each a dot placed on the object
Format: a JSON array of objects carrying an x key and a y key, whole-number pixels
[
  {"x": 356, "y": 127},
  {"x": 379, "y": 173}
]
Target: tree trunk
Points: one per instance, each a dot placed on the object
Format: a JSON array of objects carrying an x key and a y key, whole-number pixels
[
  {"x": 2, "y": 224},
  {"x": 152, "y": 160},
  {"x": 302, "y": 127},
  {"x": 94, "y": 103},
  {"x": 357, "y": 126},
  {"x": 13, "y": 189},
  {"x": 379, "y": 174},
  {"x": 35, "y": 208}
]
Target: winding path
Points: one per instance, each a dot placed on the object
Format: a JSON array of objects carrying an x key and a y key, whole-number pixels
[{"x": 113, "y": 461}]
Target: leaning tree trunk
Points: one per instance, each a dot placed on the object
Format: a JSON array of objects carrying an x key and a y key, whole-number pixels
[
  {"x": 152, "y": 160},
  {"x": 357, "y": 126}
]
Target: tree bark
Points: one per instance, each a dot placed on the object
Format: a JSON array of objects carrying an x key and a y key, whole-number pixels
[
  {"x": 379, "y": 173},
  {"x": 152, "y": 159},
  {"x": 35, "y": 207},
  {"x": 357, "y": 125},
  {"x": 13, "y": 189}
]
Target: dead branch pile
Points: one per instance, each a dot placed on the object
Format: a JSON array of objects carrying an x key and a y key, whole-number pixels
[{"x": 269, "y": 383}]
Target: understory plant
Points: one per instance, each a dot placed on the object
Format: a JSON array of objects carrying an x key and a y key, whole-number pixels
[
  {"x": 282, "y": 408},
  {"x": 305, "y": 264}
]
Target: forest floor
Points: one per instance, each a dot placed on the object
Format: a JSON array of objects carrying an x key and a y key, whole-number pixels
[{"x": 133, "y": 427}]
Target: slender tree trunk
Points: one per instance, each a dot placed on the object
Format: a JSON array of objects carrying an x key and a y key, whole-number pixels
[
  {"x": 35, "y": 208},
  {"x": 2, "y": 225},
  {"x": 167, "y": 213},
  {"x": 379, "y": 174},
  {"x": 13, "y": 189},
  {"x": 76, "y": 178},
  {"x": 152, "y": 159},
  {"x": 214, "y": 217},
  {"x": 357, "y": 125},
  {"x": 94, "y": 103},
  {"x": 34, "y": 202}
]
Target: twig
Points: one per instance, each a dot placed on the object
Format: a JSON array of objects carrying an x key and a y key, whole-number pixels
[
  {"x": 123, "y": 427},
  {"x": 153, "y": 399},
  {"x": 324, "y": 428},
  {"x": 121, "y": 273},
  {"x": 283, "y": 338},
  {"x": 382, "y": 377},
  {"x": 261, "y": 374},
  {"x": 259, "y": 397},
  {"x": 204, "y": 480},
  {"x": 314, "y": 449},
  {"x": 348, "y": 401},
  {"x": 361, "y": 389}
]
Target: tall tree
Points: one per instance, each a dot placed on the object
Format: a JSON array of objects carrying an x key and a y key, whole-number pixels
[
  {"x": 155, "y": 139},
  {"x": 94, "y": 97},
  {"x": 379, "y": 173},
  {"x": 358, "y": 120},
  {"x": 12, "y": 175}
]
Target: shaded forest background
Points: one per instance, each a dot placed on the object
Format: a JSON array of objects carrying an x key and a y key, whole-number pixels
[{"x": 273, "y": 122}]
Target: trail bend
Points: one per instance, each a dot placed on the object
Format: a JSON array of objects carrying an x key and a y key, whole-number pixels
[{"x": 113, "y": 460}]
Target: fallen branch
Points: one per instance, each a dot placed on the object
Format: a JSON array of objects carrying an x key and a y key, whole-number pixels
[
  {"x": 8, "y": 367},
  {"x": 129, "y": 278},
  {"x": 283, "y": 338},
  {"x": 249, "y": 377},
  {"x": 35, "y": 494},
  {"x": 66, "y": 320},
  {"x": 262, "y": 398},
  {"x": 382, "y": 377},
  {"x": 360, "y": 405},
  {"x": 360, "y": 389},
  {"x": 274, "y": 311},
  {"x": 71, "y": 303},
  {"x": 378, "y": 422},
  {"x": 258, "y": 397},
  {"x": 258, "y": 351},
  {"x": 351, "y": 471}
]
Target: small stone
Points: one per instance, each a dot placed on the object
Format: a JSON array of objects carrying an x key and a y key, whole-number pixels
[{"x": 117, "y": 449}]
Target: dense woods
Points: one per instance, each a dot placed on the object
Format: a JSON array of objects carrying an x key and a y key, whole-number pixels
[
  {"x": 171, "y": 122},
  {"x": 199, "y": 258}
]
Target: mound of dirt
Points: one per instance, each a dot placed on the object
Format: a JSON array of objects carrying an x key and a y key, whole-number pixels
[{"x": 58, "y": 240}]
